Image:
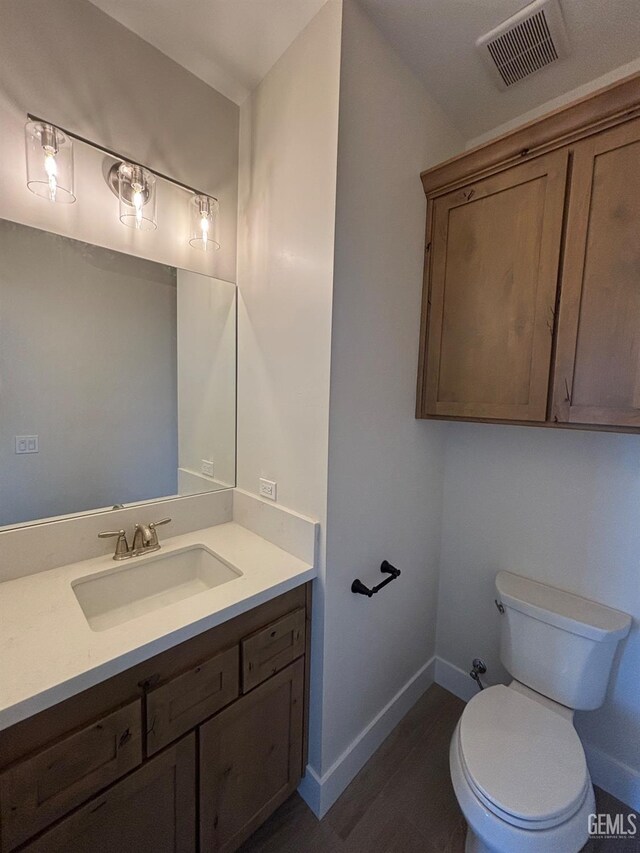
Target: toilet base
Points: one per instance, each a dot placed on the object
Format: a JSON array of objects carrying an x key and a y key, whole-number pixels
[{"x": 474, "y": 844}]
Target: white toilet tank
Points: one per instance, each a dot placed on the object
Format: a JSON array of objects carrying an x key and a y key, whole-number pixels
[{"x": 557, "y": 643}]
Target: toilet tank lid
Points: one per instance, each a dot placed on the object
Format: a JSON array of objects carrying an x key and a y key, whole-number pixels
[{"x": 562, "y": 609}]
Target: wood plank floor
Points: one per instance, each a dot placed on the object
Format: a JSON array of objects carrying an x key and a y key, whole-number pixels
[{"x": 401, "y": 801}]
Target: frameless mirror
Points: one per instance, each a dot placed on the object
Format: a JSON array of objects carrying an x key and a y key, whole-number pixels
[{"x": 117, "y": 378}]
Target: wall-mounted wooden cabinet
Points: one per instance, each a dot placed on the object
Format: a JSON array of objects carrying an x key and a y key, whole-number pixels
[
  {"x": 495, "y": 249},
  {"x": 531, "y": 305},
  {"x": 597, "y": 368}
]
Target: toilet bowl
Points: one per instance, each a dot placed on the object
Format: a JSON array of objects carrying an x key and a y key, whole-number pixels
[
  {"x": 520, "y": 775},
  {"x": 517, "y": 764}
]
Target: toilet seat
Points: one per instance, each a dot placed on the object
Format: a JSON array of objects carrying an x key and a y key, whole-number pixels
[{"x": 523, "y": 761}]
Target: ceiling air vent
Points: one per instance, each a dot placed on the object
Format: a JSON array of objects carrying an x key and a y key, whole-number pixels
[{"x": 523, "y": 44}]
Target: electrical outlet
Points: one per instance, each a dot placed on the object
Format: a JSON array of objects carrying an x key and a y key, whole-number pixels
[
  {"x": 27, "y": 444},
  {"x": 206, "y": 467},
  {"x": 268, "y": 489}
]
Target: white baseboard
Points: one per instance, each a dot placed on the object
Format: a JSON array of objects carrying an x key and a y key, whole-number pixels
[
  {"x": 614, "y": 776},
  {"x": 455, "y": 680},
  {"x": 320, "y": 793},
  {"x": 607, "y": 773},
  {"x": 310, "y": 789}
]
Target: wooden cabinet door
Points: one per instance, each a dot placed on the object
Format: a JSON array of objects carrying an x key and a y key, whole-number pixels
[
  {"x": 250, "y": 760},
  {"x": 150, "y": 811},
  {"x": 44, "y": 787},
  {"x": 495, "y": 251},
  {"x": 597, "y": 370}
]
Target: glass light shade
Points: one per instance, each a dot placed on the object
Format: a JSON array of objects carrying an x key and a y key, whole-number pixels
[
  {"x": 137, "y": 197},
  {"x": 49, "y": 162},
  {"x": 204, "y": 223}
]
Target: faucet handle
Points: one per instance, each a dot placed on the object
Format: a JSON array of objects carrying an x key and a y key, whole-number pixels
[
  {"x": 154, "y": 534},
  {"x": 122, "y": 546}
]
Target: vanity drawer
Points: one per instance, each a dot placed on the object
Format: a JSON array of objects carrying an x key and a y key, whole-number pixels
[
  {"x": 272, "y": 648},
  {"x": 37, "y": 791},
  {"x": 187, "y": 700}
]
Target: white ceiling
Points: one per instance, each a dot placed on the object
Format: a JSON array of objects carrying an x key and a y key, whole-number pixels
[
  {"x": 230, "y": 44},
  {"x": 437, "y": 39}
]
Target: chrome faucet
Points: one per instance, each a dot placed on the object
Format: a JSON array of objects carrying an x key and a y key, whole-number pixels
[
  {"x": 145, "y": 540},
  {"x": 142, "y": 537},
  {"x": 145, "y": 537}
]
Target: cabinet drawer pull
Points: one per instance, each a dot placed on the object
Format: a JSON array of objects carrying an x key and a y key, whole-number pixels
[{"x": 147, "y": 683}]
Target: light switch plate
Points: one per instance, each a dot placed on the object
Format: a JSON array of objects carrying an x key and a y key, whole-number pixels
[
  {"x": 268, "y": 489},
  {"x": 27, "y": 444},
  {"x": 206, "y": 467}
]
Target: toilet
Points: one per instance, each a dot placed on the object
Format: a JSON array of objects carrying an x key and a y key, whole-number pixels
[{"x": 517, "y": 764}]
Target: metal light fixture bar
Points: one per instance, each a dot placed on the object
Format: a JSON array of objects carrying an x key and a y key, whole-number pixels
[{"x": 120, "y": 157}]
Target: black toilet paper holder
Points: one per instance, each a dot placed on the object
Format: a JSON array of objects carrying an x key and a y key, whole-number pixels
[{"x": 386, "y": 568}]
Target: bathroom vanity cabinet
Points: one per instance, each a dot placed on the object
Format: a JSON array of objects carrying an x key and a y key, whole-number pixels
[
  {"x": 531, "y": 304},
  {"x": 190, "y": 750}
]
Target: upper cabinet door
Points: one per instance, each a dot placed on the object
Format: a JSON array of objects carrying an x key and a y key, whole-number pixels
[
  {"x": 597, "y": 371},
  {"x": 493, "y": 279}
]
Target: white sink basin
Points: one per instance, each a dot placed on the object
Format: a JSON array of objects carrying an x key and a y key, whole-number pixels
[{"x": 143, "y": 584}]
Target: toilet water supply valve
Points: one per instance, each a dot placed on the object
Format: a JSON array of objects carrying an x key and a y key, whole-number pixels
[{"x": 478, "y": 668}]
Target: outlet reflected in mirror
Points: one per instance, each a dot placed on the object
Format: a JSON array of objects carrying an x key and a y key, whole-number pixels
[{"x": 119, "y": 370}]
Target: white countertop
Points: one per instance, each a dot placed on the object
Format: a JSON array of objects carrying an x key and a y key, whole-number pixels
[{"x": 48, "y": 652}]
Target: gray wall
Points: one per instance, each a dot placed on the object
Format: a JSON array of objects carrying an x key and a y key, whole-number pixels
[
  {"x": 289, "y": 137},
  {"x": 385, "y": 468},
  {"x": 88, "y": 363},
  {"x": 561, "y": 507},
  {"x": 71, "y": 64}
]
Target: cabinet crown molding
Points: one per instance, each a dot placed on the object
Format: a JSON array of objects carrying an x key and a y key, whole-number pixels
[{"x": 597, "y": 111}]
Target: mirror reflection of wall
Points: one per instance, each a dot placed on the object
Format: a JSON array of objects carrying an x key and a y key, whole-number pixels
[
  {"x": 124, "y": 370},
  {"x": 206, "y": 325}
]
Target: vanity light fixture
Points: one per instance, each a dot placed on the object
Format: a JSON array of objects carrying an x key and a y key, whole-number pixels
[
  {"x": 49, "y": 162},
  {"x": 136, "y": 195},
  {"x": 50, "y": 174},
  {"x": 204, "y": 219}
]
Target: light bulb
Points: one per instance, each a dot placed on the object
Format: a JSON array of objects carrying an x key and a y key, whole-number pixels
[
  {"x": 203, "y": 210},
  {"x": 51, "y": 168},
  {"x": 136, "y": 195},
  {"x": 138, "y": 203},
  {"x": 204, "y": 227},
  {"x": 49, "y": 162}
]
